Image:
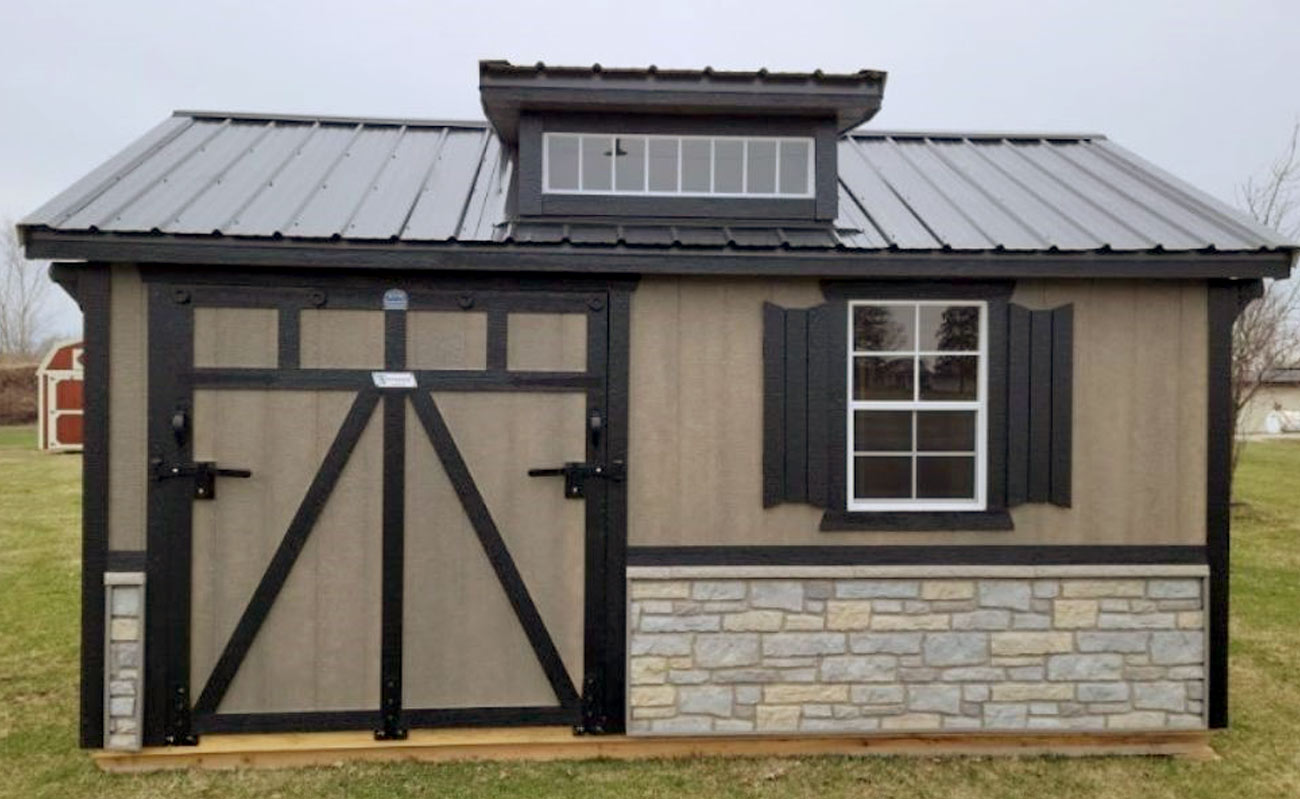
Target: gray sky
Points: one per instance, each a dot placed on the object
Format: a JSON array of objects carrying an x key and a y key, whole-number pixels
[{"x": 1208, "y": 89}]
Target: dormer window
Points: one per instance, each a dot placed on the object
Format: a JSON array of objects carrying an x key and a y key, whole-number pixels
[{"x": 678, "y": 166}]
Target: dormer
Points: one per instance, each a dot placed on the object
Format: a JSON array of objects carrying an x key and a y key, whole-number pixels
[{"x": 677, "y": 144}]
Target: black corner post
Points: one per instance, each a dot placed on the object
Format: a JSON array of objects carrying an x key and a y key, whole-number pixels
[
  {"x": 92, "y": 290},
  {"x": 394, "y": 523},
  {"x": 1226, "y": 300}
]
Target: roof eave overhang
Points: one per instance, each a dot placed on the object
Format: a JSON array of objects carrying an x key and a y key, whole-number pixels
[
  {"x": 570, "y": 258},
  {"x": 506, "y": 93}
]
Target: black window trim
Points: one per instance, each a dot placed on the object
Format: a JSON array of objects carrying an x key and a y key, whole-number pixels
[{"x": 995, "y": 515}]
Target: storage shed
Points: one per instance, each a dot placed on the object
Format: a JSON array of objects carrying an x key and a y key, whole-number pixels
[
  {"x": 668, "y": 409},
  {"x": 60, "y": 399}
]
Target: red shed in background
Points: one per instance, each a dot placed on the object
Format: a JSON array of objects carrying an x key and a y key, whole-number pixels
[{"x": 60, "y": 384}]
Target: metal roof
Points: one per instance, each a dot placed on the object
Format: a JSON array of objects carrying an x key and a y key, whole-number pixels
[{"x": 248, "y": 176}]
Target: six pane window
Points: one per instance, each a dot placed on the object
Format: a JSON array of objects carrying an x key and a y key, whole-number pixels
[
  {"x": 724, "y": 166},
  {"x": 917, "y": 398}
]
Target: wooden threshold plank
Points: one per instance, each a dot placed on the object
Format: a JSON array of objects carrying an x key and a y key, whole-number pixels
[{"x": 287, "y": 750}]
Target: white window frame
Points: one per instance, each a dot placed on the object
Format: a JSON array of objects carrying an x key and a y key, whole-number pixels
[
  {"x": 979, "y": 405},
  {"x": 645, "y": 191}
]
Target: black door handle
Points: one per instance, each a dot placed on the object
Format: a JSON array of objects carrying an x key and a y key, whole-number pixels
[{"x": 205, "y": 474}]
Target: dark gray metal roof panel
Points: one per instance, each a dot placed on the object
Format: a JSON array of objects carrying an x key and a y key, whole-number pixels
[{"x": 327, "y": 178}]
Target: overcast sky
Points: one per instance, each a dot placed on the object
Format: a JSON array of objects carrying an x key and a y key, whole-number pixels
[{"x": 1208, "y": 89}]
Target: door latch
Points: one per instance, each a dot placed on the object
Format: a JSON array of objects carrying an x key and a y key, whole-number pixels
[
  {"x": 576, "y": 474},
  {"x": 205, "y": 474}
]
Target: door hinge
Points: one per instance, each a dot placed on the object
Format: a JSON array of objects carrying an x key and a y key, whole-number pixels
[{"x": 178, "y": 719}]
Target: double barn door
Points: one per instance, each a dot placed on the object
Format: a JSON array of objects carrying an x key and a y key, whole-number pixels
[{"x": 344, "y": 532}]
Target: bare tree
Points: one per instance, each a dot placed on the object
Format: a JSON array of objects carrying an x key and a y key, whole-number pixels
[
  {"x": 23, "y": 290},
  {"x": 1267, "y": 333}
]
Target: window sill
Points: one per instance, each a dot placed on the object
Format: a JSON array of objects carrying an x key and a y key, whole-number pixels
[{"x": 916, "y": 521}]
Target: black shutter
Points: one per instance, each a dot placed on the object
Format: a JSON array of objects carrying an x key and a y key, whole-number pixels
[
  {"x": 797, "y": 404},
  {"x": 1040, "y": 366}
]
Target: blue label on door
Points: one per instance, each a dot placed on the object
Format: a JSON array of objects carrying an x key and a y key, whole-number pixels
[{"x": 395, "y": 300}]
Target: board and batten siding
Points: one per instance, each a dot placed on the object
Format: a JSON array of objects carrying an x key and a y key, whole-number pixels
[
  {"x": 696, "y": 418},
  {"x": 128, "y": 407}
]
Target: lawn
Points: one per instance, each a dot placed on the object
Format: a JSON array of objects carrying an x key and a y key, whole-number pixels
[{"x": 38, "y": 684}]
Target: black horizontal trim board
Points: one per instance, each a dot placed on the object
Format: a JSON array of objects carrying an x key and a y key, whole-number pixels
[
  {"x": 126, "y": 560},
  {"x": 916, "y": 521},
  {"x": 311, "y": 721},
  {"x": 1010, "y": 555},
  {"x": 363, "y": 379},
  {"x": 785, "y": 261},
  {"x": 491, "y": 716}
]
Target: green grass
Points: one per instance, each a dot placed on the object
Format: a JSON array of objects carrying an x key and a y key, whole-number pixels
[{"x": 38, "y": 690}]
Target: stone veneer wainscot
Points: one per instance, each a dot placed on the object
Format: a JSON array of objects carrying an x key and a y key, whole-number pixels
[{"x": 726, "y": 650}]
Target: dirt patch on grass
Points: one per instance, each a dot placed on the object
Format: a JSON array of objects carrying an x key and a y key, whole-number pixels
[{"x": 18, "y": 393}]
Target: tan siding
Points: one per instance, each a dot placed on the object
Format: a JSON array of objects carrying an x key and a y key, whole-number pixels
[
  {"x": 546, "y": 342},
  {"x": 464, "y": 646},
  {"x": 319, "y": 646},
  {"x": 236, "y": 337},
  {"x": 446, "y": 340},
  {"x": 333, "y": 339},
  {"x": 128, "y": 406},
  {"x": 696, "y": 418}
]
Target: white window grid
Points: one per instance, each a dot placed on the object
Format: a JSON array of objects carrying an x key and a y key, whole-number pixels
[
  {"x": 979, "y": 405},
  {"x": 713, "y": 164}
]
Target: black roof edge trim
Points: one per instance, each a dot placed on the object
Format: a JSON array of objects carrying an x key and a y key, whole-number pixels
[{"x": 776, "y": 262}]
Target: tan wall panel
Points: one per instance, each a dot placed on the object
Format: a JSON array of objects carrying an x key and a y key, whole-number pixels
[
  {"x": 334, "y": 339},
  {"x": 463, "y": 645},
  {"x": 236, "y": 337},
  {"x": 696, "y": 418},
  {"x": 546, "y": 342},
  {"x": 319, "y": 647},
  {"x": 446, "y": 340},
  {"x": 128, "y": 407}
]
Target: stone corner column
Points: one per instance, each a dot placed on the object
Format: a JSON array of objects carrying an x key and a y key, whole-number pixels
[{"x": 123, "y": 659}]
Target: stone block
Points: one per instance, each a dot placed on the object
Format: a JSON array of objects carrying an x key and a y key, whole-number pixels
[
  {"x": 1114, "y": 605},
  {"x": 1073, "y": 614},
  {"x": 1170, "y": 696},
  {"x": 660, "y": 606},
  {"x": 794, "y": 644},
  {"x": 1095, "y": 589},
  {"x": 1136, "y": 621},
  {"x": 1043, "y": 709},
  {"x": 127, "y": 629},
  {"x": 688, "y": 676},
  {"x": 1184, "y": 722},
  {"x": 1031, "y": 691},
  {"x": 124, "y": 725},
  {"x": 1178, "y": 604},
  {"x": 1125, "y": 642},
  {"x": 683, "y": 724},
  {"x": 1185, "y": 672},
  {"x": 662, "y": 712},
  {"x": 887, "y": 605},
  {"x": 1078, "y": 668},
  {"x": 647, "y": 670},
  {"x": 918, "y": 675},
  {"x": 818, "y": 589},
  {"x": 1046, "y": 589},
  {"x": 804, "y": 622},
  {"x": 780, "y": 594},
  {"x": 988, "y": 619},
  {"x": 886, "y": 643},
  {"x": 125, "y": 655},
  {"x": 1172, "y": 648},
  {"x": 1013, "y": 594},
  {"x": 121, "y": 688},
  {"x": 1147, "y": 673},
  {"x": 718, "y": 589},
  {"x": 126, "y": 600},
  {"x": 1031, "y": 621},
  {"x": 878, "y": 589},
  {"x": 797, "y": 694},
  {"x": 709, "y": 700},
  {"x": 1073, "y": 723},
  {"x": 956, "y": 649},
  {"x": 661, "y": 645},
  {"x": 859, "y": 668},
  {"x": 733, "y": 725},
  {"x": 1027, "y": 673},
  {"x": 756, "y": 675},
  {"x": 947, "y": 589},
  {"x": 119, "y": 741},
  {"x": 1003, "y": 716},
  {"x": 660, "y": 589},
  {"x": 680, "y": 624},
  {"x": 753, "y": 621},
  {"x": 652, "y": 695},
  {"x": 975, "y": 693},
  {"x": 726, "y": 650},
  {"x": 876, "y": 694},
  {"x": 912, "y": 721},
  {"x": 1138, "y": 720},
  {"x": 962, "y": 723},
  {"x": 748, "y": 694},
  {"x": 924, "y": 621},
  {"x": 121, "y": 706},
  {"x": 817, "y": 711},
  {"x": 840, "y": 725},
  {"x": 777, "y": 718},
  {"x": 1015, "y": 644},
  {"x": 934, "y": 698},
  {"x": 848, "y": 614},
  {"x": 972, "y": 674},
  {"x": 1188, "y": 588}
]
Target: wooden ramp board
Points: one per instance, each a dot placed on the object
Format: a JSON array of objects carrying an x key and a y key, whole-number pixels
[{"x": 286, "y": 750}]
